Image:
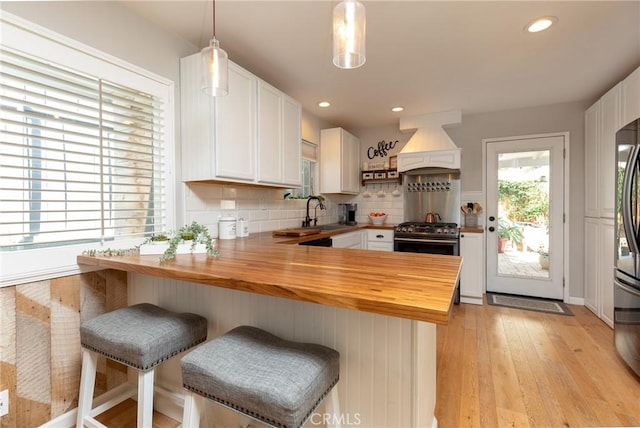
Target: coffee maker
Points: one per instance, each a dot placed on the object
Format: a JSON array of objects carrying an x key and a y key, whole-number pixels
[{"x": 348, "y": 214}]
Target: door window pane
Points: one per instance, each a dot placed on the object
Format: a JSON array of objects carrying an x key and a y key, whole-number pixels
[{"x": 523, "y": 214}]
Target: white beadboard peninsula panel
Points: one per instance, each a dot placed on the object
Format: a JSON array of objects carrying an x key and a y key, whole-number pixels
[{"x": 376, "y": 352}]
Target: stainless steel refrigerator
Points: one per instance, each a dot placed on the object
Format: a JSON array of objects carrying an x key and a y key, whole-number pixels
[{"x": 627, "y": 258}]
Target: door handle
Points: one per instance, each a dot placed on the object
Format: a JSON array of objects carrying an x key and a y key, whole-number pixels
[
  {"x": 627, "y": 202},
  {"x": 492, "y": 229},
  {"x": 492, "y": 218}
]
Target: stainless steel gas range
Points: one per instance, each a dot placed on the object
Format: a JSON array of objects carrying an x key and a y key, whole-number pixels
[
  {"x": 431, "y": 238},
  {"x": 428, "y": 238}
]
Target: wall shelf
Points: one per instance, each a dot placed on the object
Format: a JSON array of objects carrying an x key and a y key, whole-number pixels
[{"x": 380, "y": 176}]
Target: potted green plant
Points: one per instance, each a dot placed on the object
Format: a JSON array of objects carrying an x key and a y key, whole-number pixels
[
  {"x": 508, "y": 231},
  {"x": 192, "y": 238}
]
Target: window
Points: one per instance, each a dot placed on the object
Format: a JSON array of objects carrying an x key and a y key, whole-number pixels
[
  {"x": 81, "y": 157},
  {"x": 309, "y": 168},
  {"x": 84, "y": 139}
]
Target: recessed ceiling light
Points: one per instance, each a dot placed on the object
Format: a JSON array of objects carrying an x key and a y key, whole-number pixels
[
  {"x": 324, "y": 104},
  {"x": 397, "y": 109},
  {"x": 541, "y": 24}
]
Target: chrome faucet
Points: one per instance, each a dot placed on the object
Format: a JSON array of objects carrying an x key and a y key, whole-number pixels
[{"x": 307, "y": 220}]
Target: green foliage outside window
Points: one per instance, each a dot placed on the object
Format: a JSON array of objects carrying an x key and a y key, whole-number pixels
[{"x": 524, "y": 201}]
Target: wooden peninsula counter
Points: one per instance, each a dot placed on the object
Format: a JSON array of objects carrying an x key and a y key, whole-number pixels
[{"x": 378, "y": 309}]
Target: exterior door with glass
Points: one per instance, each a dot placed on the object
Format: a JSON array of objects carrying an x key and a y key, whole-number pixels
[{"x": 525, "y": 210}]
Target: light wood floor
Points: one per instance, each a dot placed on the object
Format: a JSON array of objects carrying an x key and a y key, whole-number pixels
[{"x": 501, "y": 367}]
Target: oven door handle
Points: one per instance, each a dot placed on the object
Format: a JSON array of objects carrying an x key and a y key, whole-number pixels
[{"x": 428, "y": 241}]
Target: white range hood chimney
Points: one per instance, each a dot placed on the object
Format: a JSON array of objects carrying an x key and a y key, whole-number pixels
[{"x": 429, "y": 146}]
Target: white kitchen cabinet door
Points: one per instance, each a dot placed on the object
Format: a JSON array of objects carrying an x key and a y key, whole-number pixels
[
  {"x": 347, "y": 240},
  {"x": 472, "y": 271},
  {"x": 591, "y": 264},
  {"x": 235, "y": 126},
  {"x": 610, "y": 122},
  {"x": 269, "y": 134},
  {"x": 606, "y": 258},
  {"x": 631, "y": 97},
  {"x": 291, "y": 142},
  {"x": 591, "y": 163},
  {"x": 218, "y": 133},
  {"x": 279, "y": 145},
  {"x": 339, "y": 162}
]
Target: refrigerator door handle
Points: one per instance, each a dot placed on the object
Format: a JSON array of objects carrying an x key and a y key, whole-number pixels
[{"x": 627, "y": 213}]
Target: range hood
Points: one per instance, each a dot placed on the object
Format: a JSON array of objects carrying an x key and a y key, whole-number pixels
[{"x": 430, "y": 146}]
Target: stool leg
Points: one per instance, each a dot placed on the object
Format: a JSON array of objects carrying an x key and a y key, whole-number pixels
[
  {"x": 87, "y": 384},
  {"x": 332, "y": 407},
  {"x": 191, "y": 414},
  {"x": 145, "y": 398}
]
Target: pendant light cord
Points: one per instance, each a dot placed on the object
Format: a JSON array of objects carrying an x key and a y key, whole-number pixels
[{"x": 213, "y": 18}]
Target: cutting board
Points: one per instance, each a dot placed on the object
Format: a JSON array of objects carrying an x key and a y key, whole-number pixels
[{"x": 296, "y": 232}]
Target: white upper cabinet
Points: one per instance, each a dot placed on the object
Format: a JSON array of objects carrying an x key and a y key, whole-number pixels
[
  {"x": 291, "y": 141},
  {"x": 235, "y": 127},
  {"x": 602, "y": 121},
  {"x": 631, "y": 97},
  {"x": 610, "y": 122},
  {"x": 270, "y": 134},
  {"x": 252, "y": 135},
  {"x": 339, "y": 162},
  {"x": 279, "y": 145}
]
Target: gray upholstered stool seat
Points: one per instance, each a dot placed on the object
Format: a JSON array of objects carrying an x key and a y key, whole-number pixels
[
  {"x": 142, "y": 336},
  {"x": 139, "y": 336},
  {"x": 272, "y": 380}
]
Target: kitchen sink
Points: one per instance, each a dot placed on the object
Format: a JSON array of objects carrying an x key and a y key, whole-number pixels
[{"x": 331, "y": 226}]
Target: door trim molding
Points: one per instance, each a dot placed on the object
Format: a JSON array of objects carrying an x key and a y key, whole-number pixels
[{"x": 566, "y": 206}]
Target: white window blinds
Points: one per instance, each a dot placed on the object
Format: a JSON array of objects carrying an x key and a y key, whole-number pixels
[{"x": 81, "y": 158}]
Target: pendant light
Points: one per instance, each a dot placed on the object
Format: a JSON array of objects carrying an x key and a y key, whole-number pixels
[
  {"x": 349, "y": 34},
  {"x": 215, "y": 65}
]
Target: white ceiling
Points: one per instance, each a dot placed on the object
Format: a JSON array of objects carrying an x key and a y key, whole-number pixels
[{"x": 427, "y": 56}]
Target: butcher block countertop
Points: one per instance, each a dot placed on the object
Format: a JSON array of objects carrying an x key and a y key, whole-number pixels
[{"x": 406, "y": 285}]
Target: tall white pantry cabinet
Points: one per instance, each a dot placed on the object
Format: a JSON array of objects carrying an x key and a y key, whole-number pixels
[{"x": 612, "y": 111}]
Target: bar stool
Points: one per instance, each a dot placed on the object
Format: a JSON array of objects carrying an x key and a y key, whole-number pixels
[
  {"x": 268, "y": 379},
  {"x": 141, "y": 337}
]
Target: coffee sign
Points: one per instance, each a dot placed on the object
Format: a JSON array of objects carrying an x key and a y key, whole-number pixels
[{"x": 382, "y": 150}]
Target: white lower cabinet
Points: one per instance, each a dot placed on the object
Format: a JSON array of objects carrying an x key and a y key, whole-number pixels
[
  {"x": 598, "y": 267},
  {"x": 347, "y": 240},
  {"x": 379, "y": 239},
  {"x": 472, "y": 271}
]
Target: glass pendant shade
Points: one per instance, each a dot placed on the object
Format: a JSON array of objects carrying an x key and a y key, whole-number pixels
[
  {"x": 349, "y": 34},
  {"x": 215, "y": 69}
]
